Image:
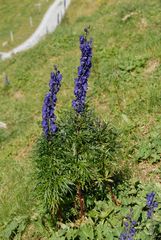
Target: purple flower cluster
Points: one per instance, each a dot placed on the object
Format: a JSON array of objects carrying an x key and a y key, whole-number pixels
[
  {"x": 129, "y": 226},
  {"x": 48, "y": 116},
  {"x": 151, "y": 204},
  {"x": 81, "y": 82}
]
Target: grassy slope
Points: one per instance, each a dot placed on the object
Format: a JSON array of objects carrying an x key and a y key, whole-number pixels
[
  {"x": 124, "y": 86},
  {"x": 15, "y": 17}
]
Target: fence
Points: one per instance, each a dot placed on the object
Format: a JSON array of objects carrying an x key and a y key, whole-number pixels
[{"x": 50, "y": 21}]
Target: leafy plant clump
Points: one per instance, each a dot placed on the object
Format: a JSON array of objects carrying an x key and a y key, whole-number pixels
[
  {"x": 150, "y": 149},
  {"x": 128, "y": 221},
  {"x": 136, "y": 217},
  {"x": 75, "y": 156},
  {"x": 77, "y": 163}
]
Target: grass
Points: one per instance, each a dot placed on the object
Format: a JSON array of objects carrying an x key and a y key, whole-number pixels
[
  {"x": 124, "y": 88},
  {"x": 15, "y": 17}
]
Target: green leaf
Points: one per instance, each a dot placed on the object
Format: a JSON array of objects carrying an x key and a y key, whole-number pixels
[{"x": 86, "y": 232}]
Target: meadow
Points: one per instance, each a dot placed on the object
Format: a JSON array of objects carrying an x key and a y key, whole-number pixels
[
  {"x": 21, "y": 18},
  {"x": 124, "y": 89}
]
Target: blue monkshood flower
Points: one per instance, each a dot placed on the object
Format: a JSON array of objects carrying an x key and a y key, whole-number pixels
[
  {"x": 48, "y": 116},
  {"x": 129, "y": 228},
  {"x": 81, "y": 82},
  {"x": 151, "y": 204}
]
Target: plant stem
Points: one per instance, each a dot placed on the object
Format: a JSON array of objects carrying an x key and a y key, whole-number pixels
[
  {"x": 60, "y": 217},
  {"x": 113, "y": 197},
  {"x": 81, "y": 200}
]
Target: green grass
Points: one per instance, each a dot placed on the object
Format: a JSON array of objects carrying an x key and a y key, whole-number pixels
[
  {"x": 15, "y": 17},
  {"x": 124, "y": 87}
]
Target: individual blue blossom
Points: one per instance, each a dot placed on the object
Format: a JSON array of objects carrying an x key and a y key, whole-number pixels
[
  {"x": 151, "y": 204},
  {"x": 48, "y": 116},
  {"x": 129, "y": 228},
  {"x": 81, "y": 82}
]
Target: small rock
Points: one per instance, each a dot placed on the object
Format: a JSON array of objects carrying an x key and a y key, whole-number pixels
[
  {"x": 3, "y": 125},
  {"x": 126, "y": 17}
]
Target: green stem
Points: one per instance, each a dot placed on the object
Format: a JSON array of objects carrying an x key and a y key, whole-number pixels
[{"x": 79, "y": 188}]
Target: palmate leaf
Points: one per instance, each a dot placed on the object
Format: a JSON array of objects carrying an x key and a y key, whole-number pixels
[
  {"x": 56, "y": 237},
  {"x": 103, "y": 231},
  {"x": 86, "y": 231},
  {"x": 10, "y": 230},
  {"x": 72, "y": 234},
  {"x": 15, "y": 228},
  {"x": 142, "y": 235},
  {"x": 105, "y": 214}
]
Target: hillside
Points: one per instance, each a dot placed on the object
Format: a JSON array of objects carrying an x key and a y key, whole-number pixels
[
  {"x": 21, "y": 18},
  {"x": 124, "y": 88}
]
